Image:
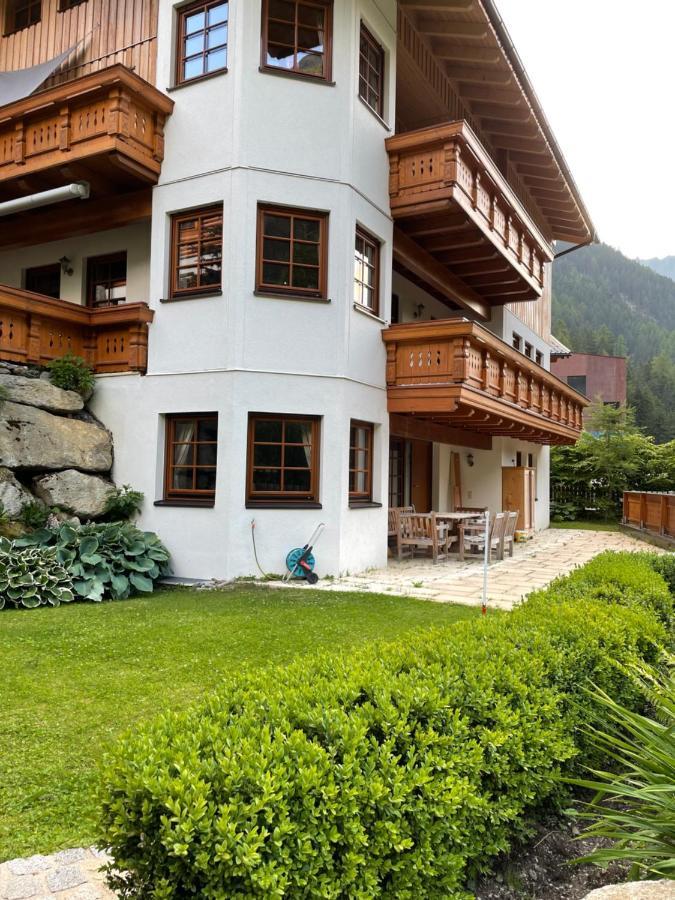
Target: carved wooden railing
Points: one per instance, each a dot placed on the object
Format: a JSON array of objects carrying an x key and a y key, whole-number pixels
[
  {"x": 112, "y": 111},
  {"x": 431, "y": 166},
  {"x": 650, "y": 511},
  {"x": 483, "y": 371},
  {"x": 36, "y": 329}
]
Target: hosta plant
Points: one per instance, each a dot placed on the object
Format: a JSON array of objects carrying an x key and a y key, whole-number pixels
[
  {"x": 32, "y": 576},
  {"x": 109, "y": 561}
]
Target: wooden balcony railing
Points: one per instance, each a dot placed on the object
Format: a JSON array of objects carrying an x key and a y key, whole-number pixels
[
  {"x": 107, "y": 126},
  {"x": 456, "y": 371},
  {"x": 650, "y": 511},
  {"x": 36, "y": 329},
  {"x": 448, "y": 195}
]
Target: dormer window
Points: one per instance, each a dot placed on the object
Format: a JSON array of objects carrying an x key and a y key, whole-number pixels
[{"x": 22, "y": 14}]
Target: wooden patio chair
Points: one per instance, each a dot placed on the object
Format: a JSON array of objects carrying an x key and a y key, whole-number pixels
[
  {"x": 474, "y": 537},
  {"x": 394, "y": 525},
  {"x": 509, "y": 533},
  {"x": 422, "y": 531}
]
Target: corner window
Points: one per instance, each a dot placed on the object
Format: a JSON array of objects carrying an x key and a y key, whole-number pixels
[
  {"x": 360, "y": 462},
  {"x": 202, "y": 40},
  {"x": 196, "y": 252},
  {"x": 191, "y": 457},
  {"x": 297, "y": 37},
  {"x": 291, "y": 252},
  {"x": 371, "y": 72},
  {"x": 22, "y": 14},
  {"x": 367, "y": 271},
  {"x": 283, "y": 459},
  {"x": 107, "y": 280}
]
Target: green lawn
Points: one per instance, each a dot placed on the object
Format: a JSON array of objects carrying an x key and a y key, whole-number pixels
[
  {"x": 73, "y": 677},
  {"x": 587, "y": 525}
]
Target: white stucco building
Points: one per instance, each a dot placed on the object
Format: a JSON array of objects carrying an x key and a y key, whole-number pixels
[{"x": 284, "y": 183}]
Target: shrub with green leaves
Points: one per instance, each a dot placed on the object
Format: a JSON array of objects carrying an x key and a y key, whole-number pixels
[
  {"x": 399, "y": 770},
  {"x": 32, "y": 576},
  {"x": 123, "y": 503},
  {"x": 34, "y": 514},
  {"x": 109, "y": 561},
  {"x": 72, "y": 373}
]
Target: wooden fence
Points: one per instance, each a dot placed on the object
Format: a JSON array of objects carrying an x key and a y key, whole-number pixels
[{"x": 650, "y": 511}]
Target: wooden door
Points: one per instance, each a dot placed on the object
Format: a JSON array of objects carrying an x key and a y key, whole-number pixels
[
  {"x": 420, "y": 495},
  {"x": 518, "y": 493}
]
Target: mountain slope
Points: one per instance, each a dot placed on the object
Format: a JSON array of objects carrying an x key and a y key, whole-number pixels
[
  {"x": 604, "y": 302},
  {"x": 664, "y": 266}
]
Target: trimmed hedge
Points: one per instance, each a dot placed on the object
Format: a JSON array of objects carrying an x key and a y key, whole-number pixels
[{"x": 396, "y": 771}]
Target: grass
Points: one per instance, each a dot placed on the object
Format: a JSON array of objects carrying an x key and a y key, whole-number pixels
[
  {"x": 75, "y": 676},
  {"x": 587, "y": 525}
]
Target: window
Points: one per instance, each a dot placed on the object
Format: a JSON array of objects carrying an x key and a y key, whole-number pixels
[
  {"x": 360, "y": 462},
  {"x": 517, "y": 342},
  {"x": 395, "y": 309},
  {"x": 397, "y": 467},
  {"x": 107, "y": 280},
  {"x": 539, "y": 357},
  {"x": 371, "y": 72},
  {"x": 297, "y": 36},
  {"x": 528, "y": 350},
  {"x": 578, "y": 383},
  {"x": 367, "y": 272},
  {"x": 191, "y": 457},
  {"x": 69, "y": 4},
  {"x": 530, "y": 460},
  {"x": 292, "y": 249},
  {"x": 202, "y": 40},
  {"x": 196, "y": 252},
  {"x": 22, "y": 14},
  {"x": 44, "y": 280},
  {"x": 283, "y": 459},
  {"x": 519, "y": 459}
]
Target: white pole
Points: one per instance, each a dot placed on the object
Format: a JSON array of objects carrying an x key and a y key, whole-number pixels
[{"x": 486, "y": 559}]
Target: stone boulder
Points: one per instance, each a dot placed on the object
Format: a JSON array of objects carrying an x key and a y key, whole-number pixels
[
  {"x": 635, "y": 890},
  {"x": 83, "y": 495},
  {"x": 34, "y": 439},
  {"x": 13, "y": 495},
  {"x": 43, "y": 394}
]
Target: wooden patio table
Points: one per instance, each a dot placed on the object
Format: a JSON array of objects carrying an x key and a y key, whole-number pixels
[{"x": 461, "y": 519}]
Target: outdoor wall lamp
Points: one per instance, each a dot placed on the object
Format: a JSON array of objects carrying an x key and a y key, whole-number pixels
[
  {"x": 419, "y": 309},
  {"x": 469, "y": 459},
  {"x": 66, "y": 267}
]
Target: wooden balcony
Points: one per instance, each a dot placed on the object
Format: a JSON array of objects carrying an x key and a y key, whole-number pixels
[
  {"x": 457, "y": 373},
  {"x": 36, "y": 329},
  {"x": 458, "y": 219},
  {"x": 650, "y": 511}
]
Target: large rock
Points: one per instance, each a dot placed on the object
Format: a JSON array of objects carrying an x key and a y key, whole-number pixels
[
  {"x": 13, "y": 495},
  {"x": 635, "y": 890},
  {"x": 36, "y": 392},
  {"x": 33, "y": 439},
  {"x": 75, "y": 492}
]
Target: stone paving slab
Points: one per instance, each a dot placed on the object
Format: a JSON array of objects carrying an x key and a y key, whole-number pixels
[{"x": 66, "y": 875}]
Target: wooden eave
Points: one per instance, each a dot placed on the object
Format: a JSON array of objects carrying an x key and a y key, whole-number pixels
[{"x": 469, "y": 42}]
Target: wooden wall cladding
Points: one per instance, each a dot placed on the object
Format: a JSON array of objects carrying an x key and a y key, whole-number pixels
[{"x": 114, "y": 31}]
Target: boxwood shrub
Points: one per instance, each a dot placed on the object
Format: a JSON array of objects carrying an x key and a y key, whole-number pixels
[{"x": 398, "y": 770}]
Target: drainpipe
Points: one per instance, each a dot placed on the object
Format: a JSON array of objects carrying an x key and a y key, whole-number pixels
[{"x": 76, "y": 190}]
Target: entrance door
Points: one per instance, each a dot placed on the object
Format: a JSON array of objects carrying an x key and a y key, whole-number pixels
[{"x": 421, "y": 462}]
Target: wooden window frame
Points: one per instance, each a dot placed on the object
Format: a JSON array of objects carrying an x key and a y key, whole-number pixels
[
  {"x": 327, "y": 44},
  {"x": 517, "y": 342},
  {"x": 105, "y": 257},
  {"x": 193, "y": 496},
  {"x": 290, "y": 290},
  {"x": 54, "y": 268},
  {"x": 356, "y": 497},
  {"x": 371, "y": 40},
  {"x": 10, "y": 17},
  {"x": 363, "y": 235},
  {"x": 283, "y": 498},
  {"x": 201, "y": 290},
  {"x": 539, "y": 358},
  {"x": 183, "y": 12}
]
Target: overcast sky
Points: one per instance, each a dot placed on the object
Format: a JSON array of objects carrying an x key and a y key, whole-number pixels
[{"x": 604, "y": 71}]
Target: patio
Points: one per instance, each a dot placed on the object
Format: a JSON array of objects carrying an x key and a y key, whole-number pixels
[{"x": 535, "y": 564}]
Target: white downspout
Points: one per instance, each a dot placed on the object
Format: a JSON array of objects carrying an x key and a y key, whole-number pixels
[{"x": 76, "y": 190}]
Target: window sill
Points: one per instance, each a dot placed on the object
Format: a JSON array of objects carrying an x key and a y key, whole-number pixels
[
  {"x": 197, "y": 295},
  {"x": 366, "y": 312},
  {"x": 281, "y": 504},
  {"x": 270, "y": 295},
  {"x": 189, "y": 81},
  {"x": 194, "y": 502},
  {"x": 284, "y": 73},
  {"x": 364, "y": 504},
  {"x": 374, "y": 112}
]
